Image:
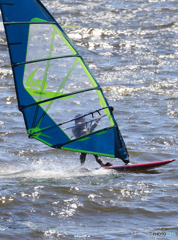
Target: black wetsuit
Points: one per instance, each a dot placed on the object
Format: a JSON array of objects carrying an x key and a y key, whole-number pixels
[{"x": 82, "y": 130}]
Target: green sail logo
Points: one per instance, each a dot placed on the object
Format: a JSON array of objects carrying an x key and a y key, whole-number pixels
[{"x": 41, "y": 84}]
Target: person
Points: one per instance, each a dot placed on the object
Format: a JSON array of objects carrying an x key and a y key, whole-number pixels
[{"x": 81, "y": 129}]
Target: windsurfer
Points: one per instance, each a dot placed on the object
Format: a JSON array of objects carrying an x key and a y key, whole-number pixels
[{"x": 81, "y": 129}]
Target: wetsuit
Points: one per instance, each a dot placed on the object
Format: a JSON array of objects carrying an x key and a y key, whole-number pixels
[{"x": 81, "y": 130}]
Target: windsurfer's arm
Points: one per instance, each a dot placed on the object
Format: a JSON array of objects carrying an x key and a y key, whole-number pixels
[{"x": 95, "y": 124}]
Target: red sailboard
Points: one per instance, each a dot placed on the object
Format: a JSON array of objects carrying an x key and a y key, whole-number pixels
[{"x": 140, "y": 167}]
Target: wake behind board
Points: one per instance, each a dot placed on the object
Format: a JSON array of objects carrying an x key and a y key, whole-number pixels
[{"x": 139, "y": 167}]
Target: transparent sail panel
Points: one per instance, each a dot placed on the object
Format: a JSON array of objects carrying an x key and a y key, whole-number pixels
[
  {"x": 62, "y": 110},
  {"x": 45, "y": 41},
  {"x": 52, "y": 78}
]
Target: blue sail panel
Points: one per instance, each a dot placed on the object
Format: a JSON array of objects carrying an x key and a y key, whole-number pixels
[
  {"x": 98, "y": 143},
  {"x": 103, "y": 143},
  {"x": 23, "y": 10},
  {"x": 17, "y": 38}
]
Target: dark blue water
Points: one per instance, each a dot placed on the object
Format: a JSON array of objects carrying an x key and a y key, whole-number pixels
[{"x": 131, "y": 48}]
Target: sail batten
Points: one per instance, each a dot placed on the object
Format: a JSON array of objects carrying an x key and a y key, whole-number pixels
[
  {"x": 31, "y": 23},
  {"x": 43, "y": 59},
  {"x": 57, "y": 97},
  {"x": 3, "y": 3},
  {"x": 54, "y": 84}
]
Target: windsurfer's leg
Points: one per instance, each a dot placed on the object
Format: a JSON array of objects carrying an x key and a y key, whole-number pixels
[
  {"x": 98, "y": 159},
  {"x": 82, "y": 158},
  {"x": 127, "y": 162}
]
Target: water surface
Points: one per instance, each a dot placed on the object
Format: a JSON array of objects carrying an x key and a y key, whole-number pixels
[{"x": 131, "y": 48}]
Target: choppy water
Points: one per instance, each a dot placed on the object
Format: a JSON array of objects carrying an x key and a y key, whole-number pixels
[{"x": 132, "y": 49}]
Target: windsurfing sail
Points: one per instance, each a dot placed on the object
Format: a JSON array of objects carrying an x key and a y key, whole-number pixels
[{"x": 54, "y": 84}]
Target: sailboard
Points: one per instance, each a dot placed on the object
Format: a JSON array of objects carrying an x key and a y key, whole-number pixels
[
  {"x": 141, "y": 167},
  {"x": 54, "y": 84}
]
